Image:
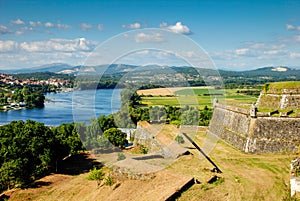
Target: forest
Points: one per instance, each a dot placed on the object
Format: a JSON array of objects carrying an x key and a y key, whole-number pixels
[
  {"x": 32, "y": 96},
  {"x": 30, "y": 150}
]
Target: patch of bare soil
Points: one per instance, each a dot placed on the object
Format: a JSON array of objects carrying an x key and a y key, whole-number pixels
[
  {"x": 159, "y": 91},
  {"x": 159, "y": 185}
]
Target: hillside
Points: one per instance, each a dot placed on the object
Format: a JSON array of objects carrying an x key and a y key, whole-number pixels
[
  {"x": 244, "y": 177},
  {"x": 265, "y": 73}
]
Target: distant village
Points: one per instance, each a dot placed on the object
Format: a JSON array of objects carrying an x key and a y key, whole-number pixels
[
  {"x": 11, "y": 80},
  {"x": 17, "y": 93}
]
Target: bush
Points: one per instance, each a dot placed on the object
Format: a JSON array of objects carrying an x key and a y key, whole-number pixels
[
  {"x": 121, "y": 156},
  {"x": 96, "y": 174},
  {"x": 179, "y": 139},
  {"x": 144, "y": 149},
  {"x": 108, "y": 180}
]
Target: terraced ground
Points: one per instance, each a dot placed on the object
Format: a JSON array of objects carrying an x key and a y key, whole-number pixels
[{"x": 244, "y": 177}]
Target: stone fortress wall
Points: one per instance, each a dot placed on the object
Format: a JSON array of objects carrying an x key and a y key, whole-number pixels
[{"x": 260, "y": 132}]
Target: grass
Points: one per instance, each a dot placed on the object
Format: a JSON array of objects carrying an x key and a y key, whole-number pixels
[
  {"x": 198, "y": 91},
  {"x": 284, "y": 85},
  {"x": 196, "y": 97},
  {"x": 244, "y": 177}
]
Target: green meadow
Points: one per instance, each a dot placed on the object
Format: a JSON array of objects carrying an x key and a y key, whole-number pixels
[{"x": 200, "y": 97}]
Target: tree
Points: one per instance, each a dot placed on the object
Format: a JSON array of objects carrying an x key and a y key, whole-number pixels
[
  {"x": 190, "y": 116},
  {"x": 116, "y": 137},
  {"x": 106, "y": 122},
  {"x": 26, "y": 151},
  {"x": 29, "y": 150}
]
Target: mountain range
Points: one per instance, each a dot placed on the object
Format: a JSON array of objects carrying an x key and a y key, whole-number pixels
[{"x": 61, "y": 68}]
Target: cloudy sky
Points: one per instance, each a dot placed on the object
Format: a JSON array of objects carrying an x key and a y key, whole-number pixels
[{"x": 236, "y": 34}]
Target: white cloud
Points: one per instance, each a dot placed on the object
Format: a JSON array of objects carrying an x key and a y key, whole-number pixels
[
  {"x": 25, "y": 54},
  {"x": 62, "y": 26},
  {"x": 163, "y": 25},
  {"x": 242, "y": 51},
  {"x": 49, "y": 25},
  {"x": 100, "y": 27},
  {"x": 257, "y": 45},
  {"x": 132, "y": 26},
  {"x": 275, "y": 52},
  {"x": 19, "y": 32},
  {"x": 84, "y": 26},
  {"x": 34, "y": 24},
  {"x": 17, "y": 21},
  {"x": 60, "y": 45},
  {"x": 8, "y": 46},
  {"x": 179, "y": 28},
  {"x": 290, "y": 27},
  {"x": 149, "y": 38},
  {"x": 4, "y": 30},
  {"x": 294, "y": 55}
]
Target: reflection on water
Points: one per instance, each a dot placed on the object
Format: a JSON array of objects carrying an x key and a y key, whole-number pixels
[{"x": 68, "y": 107}]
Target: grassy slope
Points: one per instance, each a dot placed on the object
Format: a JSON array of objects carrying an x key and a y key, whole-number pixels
[
  {"x": 244, "y": 177},
  {"x": 284, "y": 85}
]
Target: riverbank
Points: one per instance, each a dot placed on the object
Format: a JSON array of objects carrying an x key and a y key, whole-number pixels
[{"x": 67, "y": 107}]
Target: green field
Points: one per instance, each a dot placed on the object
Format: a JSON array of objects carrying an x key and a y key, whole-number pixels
[
  {"x": 284, "y": 85},
  {"x": 200, "y": 97},
  {"x": 199, "y": 91}
]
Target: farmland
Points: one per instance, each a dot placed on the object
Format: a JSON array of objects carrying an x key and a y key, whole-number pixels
[{"x": 195, "y": 96}]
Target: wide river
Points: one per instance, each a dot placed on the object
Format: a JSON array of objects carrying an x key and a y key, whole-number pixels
[{"x": 65, "y": 107}]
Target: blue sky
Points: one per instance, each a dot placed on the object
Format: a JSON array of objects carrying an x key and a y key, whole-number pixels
[{"x": 236, "y": 34}]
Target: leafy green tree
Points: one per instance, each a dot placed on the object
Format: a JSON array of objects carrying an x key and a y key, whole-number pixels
[
  {"x": 116, "y": 137},
  {"x": 93, "y": 130},
  {"x": 190, "y": 116},
  {"x": 106, "y": 122},
  {"x": 69, "y": 139},
  {"x": 157, "y": 113},
  {"x": 26, "y": 151},
  {"x": 29, "y": 150}
]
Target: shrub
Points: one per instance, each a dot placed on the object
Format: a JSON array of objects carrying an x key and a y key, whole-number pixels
[
  {"x": 121, "y": 156},
  {"x": 108, "y": 180},
  {"x": 96, "y": 174},
  {"x": 144, "y": 149},
  {"x": 179, "y": 139}
]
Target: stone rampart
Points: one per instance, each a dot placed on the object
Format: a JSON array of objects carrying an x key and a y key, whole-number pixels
[{"x": 255, "y": 135}]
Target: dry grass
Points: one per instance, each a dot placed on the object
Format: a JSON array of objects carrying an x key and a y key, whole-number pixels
[{"x": 244, "y": 177}]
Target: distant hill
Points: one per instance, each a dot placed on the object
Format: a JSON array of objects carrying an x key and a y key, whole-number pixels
[
  {"x": 265, "y": 73},
  {"x": 260, "y": 75},
  {"x": 55, "y": 67}
]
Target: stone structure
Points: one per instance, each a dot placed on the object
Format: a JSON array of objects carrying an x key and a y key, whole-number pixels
[
  {"x": 295, "y": 177},
  {"x": 260, "y": 132},
  {"x": 280, "y": 97},
  {"x": 157, "y": 142}
]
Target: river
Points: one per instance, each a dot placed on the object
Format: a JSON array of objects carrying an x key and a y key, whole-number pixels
[{"x": 66, "y": 107}]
